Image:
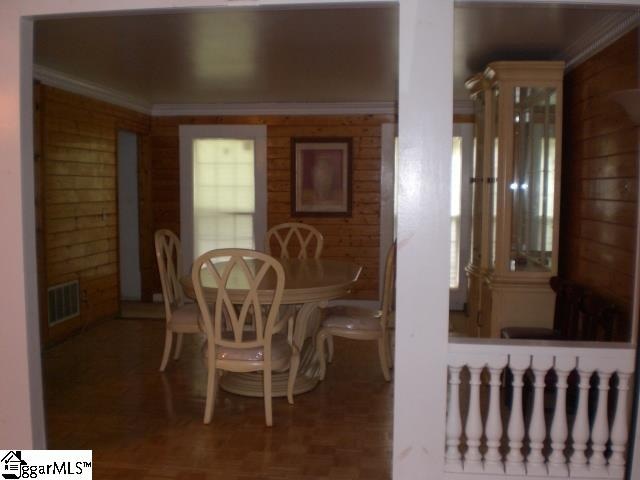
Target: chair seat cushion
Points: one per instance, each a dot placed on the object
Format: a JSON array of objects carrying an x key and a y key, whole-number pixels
[
  {"x": 280, "y": 350},
  {"x": 352, "y": 318},
  {"x": 186, "y": 316}
]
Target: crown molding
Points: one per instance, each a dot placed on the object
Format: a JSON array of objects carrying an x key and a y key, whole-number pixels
[
  {"x": 66, "y": 82},
  {"x": 69, "y": 83},
  {"x": 598, "y": 37},
  {"x": 332, "y": 108}
]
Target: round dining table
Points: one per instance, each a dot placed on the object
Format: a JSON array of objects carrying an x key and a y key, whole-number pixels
[{"x": 309, "y": 284}]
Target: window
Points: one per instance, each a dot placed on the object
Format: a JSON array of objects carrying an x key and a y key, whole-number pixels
[
  {"x": 456, "y": 196},
  {"x": 223, "y": 194},
  {"x": 222, "y": 188},
  {"x": 462, "y": 158}
]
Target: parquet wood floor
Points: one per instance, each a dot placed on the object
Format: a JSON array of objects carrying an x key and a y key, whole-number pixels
[{"x": 104, "y": 392}]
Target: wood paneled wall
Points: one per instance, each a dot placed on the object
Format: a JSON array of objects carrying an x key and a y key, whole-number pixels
[
  {"x": 600, "y": 174},
  {"x": 356, "y": 238},
  {"x": 77, "y": 199}
]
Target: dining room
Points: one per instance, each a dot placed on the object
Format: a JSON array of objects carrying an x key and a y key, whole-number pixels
[
  {"x": 104, "y": 363},
  {"x": 261, "y": 150}
]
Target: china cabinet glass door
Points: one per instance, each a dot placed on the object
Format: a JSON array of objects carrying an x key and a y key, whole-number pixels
[{"x": 532, "y": 185}]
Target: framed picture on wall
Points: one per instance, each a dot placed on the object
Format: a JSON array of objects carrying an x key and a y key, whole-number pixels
[{"x": 321, "y": 176}]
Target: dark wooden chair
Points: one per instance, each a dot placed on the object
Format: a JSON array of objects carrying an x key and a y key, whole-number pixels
[{"x": 579, "y": 315}]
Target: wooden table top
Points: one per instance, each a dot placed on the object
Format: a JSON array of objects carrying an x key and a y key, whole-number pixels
[{"x": 306, "y": 280}]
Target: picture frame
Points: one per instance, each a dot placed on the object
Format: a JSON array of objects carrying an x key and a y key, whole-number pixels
[{"x": 321, "y": 178}]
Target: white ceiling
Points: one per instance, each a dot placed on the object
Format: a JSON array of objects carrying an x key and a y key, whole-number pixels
[{"x": 274, "y": 55}]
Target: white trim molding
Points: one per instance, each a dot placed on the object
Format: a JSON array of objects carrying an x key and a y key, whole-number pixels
[
  {"x": 600, "y": 36},
  {"x": 336, "y": 108},
  {"x": 72, "y": 84}
]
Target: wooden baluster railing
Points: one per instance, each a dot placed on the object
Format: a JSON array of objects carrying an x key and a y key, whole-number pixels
[
  {"x": 620, "y": 429},
  {"x": 453, "y": 459},
  {"x": 559, "y": 428},
  {"x": 493, "y": 426},
  {"x": 537, "y": 428},
  {"x": 515, "y": 461},
  {"x": 580, "y": 432},
  {"x": 473, "y": 427}
]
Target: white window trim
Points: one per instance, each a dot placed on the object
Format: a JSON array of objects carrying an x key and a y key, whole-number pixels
[{"x": 188, "y": 133}]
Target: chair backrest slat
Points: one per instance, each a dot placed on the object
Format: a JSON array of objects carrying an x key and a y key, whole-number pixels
[
  {"x": 251, "y": 274},
  {"x": 287, "y": 236},
  {"x": 169, "y": 258}
]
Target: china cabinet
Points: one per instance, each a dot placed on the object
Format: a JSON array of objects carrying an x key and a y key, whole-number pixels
[{"x": 515, "y": 195}]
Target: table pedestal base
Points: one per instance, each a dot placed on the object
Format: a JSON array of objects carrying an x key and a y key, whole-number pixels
[{"x": 250, "y": 383}]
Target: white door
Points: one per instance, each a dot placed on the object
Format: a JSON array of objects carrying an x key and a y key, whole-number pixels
[{"x": 128, "y": 226}]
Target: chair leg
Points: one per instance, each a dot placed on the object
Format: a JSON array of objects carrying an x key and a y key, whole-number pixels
[
  {"x": 320, "y": 339},
  {"x": 330, "y": 348},
  {"x": 176, "y": 354},
  {"x": 168, "y": 340},
  {"x": 268, "y": 415},
  {"x": 293, "y": 373},
  {"x": 390, "y": 342},
  {"x": 384, "y": 355},
  {"x": 212, "y": 379}
]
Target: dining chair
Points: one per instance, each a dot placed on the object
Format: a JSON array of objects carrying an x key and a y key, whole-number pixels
[
  {"x": 294, "y": 240},
  {"x": 230, "y": 346},
  {"x": 180, "y": 317},
  {"x": 362, "y": 323}
]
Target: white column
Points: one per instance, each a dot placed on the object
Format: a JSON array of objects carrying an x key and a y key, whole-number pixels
[
  {"x": 493, "y": 427},
  {"x": 537, "y": 428},
  {"x": 600, "y": 429},
  {"x": 425, "y": 130},
  {"x": 453, "y": 459},
  {"x": 515, "y": 432},
  {"x": 473, "y": 427},
  {"x": 580, "y": 432},
  {"x": 620, "y": 429},
  {"x": 559, "y": 429}
]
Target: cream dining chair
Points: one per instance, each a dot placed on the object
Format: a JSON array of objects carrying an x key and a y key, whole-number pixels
[
  {"x": 362, "y": 323},
  {"x": 180, "y": 317},
  {"x": 231, "y": 346},
  {"x": 294, "y": 240}
]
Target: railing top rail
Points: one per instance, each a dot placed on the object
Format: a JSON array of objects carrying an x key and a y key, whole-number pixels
[{"x": 619, "y": 355}]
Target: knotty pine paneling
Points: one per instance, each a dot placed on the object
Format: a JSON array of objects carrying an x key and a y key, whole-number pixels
[
  {"x": 600, "y": 175},
  {"x": 355, "y": 238},
  {"x": 78, "y": 217}
]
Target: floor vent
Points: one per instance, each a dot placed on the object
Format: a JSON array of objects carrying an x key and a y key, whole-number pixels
[{"x": 64, "y": 302}]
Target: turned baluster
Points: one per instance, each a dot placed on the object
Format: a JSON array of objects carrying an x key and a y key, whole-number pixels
[
  {"x": 580, "y": 431},
  {"x": 453, "y": 459},
  {"x": 559, "y": 428},
  {"x": 600, "y": 429},
  {"x": 493, "y": 426},
  {"x": 537, "y": 429},
  {"x": 473, "y": 427},
  {"x": 515, "y": 431},
  {"x": 620, "y": 429}
]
